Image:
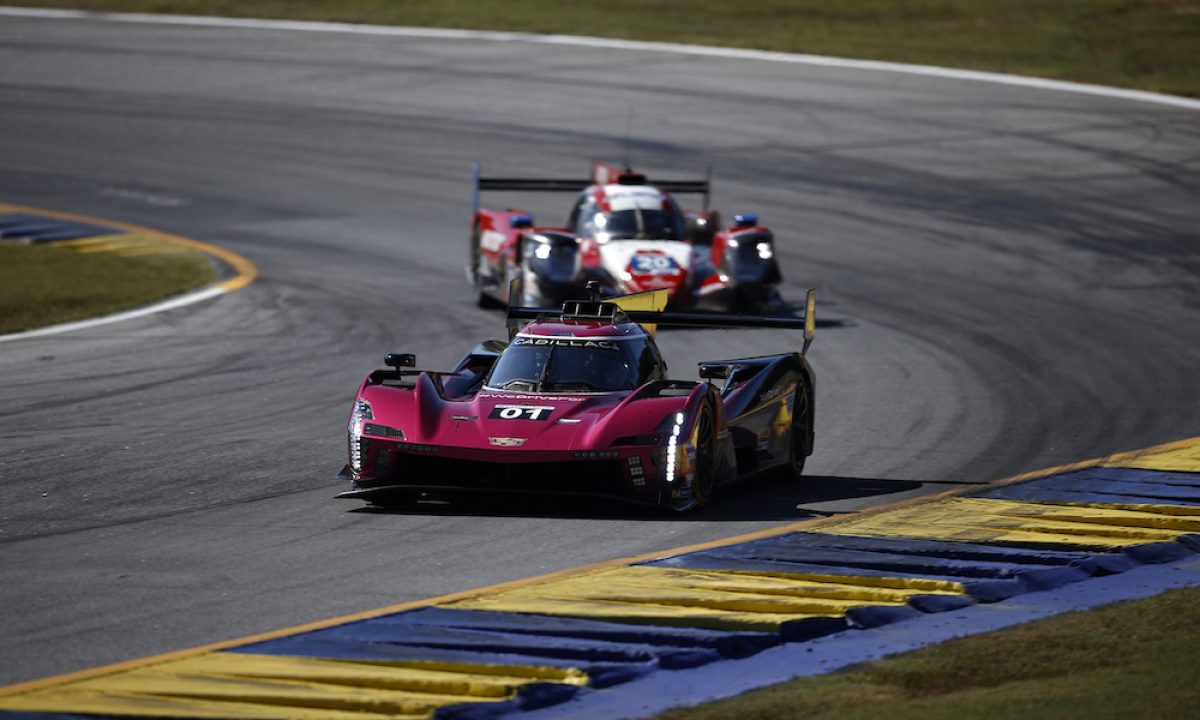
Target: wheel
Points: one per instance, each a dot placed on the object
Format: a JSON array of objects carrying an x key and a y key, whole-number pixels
[
  {"x": 473, "y": 253},
  {"x": 486, "y": 300},
  {"x": 482, "y": 299},
  {"x": 705, "y": 481},
  {"x": 528, "y": 298},
  {"x": 801, "y": 430}
]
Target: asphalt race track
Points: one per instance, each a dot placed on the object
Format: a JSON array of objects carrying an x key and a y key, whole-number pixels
[{"x": 1008, "y": 279}]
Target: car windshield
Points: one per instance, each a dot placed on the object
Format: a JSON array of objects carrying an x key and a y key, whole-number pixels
[
  {"x": 639, "y": 223},
  {"x": 573, "y": 365}
]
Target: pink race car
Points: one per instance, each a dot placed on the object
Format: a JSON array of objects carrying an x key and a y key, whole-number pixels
[
  {"x": 627, "y": 234},
  {"x": 578, "y": 401}
]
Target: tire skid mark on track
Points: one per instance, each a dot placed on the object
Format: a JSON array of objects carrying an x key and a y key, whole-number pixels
[{"x": 533, "y": 644}]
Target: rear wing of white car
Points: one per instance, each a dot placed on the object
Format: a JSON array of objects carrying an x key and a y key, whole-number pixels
[{"x": 602, "y": 174}]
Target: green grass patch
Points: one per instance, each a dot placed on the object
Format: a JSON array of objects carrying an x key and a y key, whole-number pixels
[
  {"x": 44, "y": 285},
  {"x": 1134, "y": 659},
  {"x": 1146, "y": 44}
]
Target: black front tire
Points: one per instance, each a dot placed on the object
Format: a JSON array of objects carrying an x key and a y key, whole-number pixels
[
  {"x": 486, "y": 300},
  {"x": 473, "y": 255},
  {"x": 801, "y": 429},
  {"x": 705, "y": 482}
]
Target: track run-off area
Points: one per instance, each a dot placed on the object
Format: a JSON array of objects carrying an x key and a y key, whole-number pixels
[
  {"x": 1008, "y": 277},
  {"x": 96, "y": 236}
]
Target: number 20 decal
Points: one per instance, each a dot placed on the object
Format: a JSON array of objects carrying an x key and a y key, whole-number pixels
[
  {"x": 521, "y": 412},
  {"x": 653, "y": 264}
]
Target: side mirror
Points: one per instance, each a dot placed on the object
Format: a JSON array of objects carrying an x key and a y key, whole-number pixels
[
  {"x": 714, "y": 372},
  {"x": 400, "y": 360},
  {"x": 702, "y": 226}
]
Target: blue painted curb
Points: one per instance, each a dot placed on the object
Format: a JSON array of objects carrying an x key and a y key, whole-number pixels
[
  {"x": 31, "y": 228},
  {"x": 927, "y": 577}
]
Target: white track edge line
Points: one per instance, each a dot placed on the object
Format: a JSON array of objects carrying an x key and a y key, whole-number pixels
[
  {"x": 581, "y": 41},
  {"x": 171, "y": 304}
]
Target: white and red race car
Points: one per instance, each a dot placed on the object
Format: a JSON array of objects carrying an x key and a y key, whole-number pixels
[{"x": 627, "y": 234}]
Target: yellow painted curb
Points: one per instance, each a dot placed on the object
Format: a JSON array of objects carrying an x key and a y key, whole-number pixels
[
  {"x": 270, "y": 687},
  {"x": 580, "y": 570},
  {"x": 246, "y": 271}
]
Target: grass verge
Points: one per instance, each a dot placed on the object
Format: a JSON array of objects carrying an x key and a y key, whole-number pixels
[
  {"x": 1144, "y": 44},
  {"x": 1130, "y": 659},
  {"x": 45, "y": 285}
]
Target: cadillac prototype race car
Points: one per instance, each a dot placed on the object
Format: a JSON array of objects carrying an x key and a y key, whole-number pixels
[
  {"x": 578, "y": 401},
  {"x": 627, "y": 234}
]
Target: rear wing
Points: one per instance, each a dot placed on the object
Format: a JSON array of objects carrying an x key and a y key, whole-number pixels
[
  {"x": 611, "y": 311},
  {"x": 602, "y": 174}
]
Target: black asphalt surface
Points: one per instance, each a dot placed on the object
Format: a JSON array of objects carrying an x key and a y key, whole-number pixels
[{"x": 1009, "y": 280}]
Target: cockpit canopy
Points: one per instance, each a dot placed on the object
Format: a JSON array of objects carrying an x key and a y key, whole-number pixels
[
  {"x": 621, "y": 212},
  {"x": 575, "y": 364}
]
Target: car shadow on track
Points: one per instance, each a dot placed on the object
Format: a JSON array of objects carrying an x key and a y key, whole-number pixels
[{"x": 760, "y": 498}]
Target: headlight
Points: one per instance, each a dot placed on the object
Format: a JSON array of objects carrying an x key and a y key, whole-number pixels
[
  {"x": 765, "y": 251},
  {"x": 677, "y": 458},
  {"x": 360, "y": 414},
  {"x": 553, "y": 259}
]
